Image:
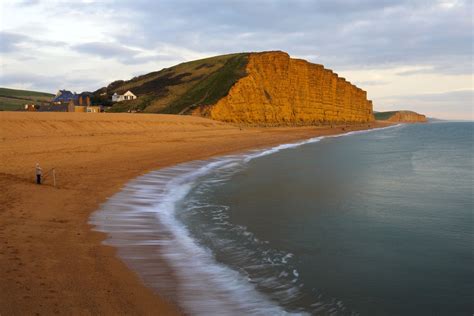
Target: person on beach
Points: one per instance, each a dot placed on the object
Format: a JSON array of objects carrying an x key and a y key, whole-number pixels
[{"x": 39, "y": 173}]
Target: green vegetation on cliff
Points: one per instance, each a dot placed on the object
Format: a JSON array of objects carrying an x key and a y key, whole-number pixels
[
  {"x": 400, "y": 116},
  {"x": 213, "y": 87},
  {"x": 14, "y": 99},
  {"x": 382, "y": 116},
  {"x": 180, "y": 88}
]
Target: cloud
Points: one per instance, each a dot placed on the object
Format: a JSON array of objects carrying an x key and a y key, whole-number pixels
[
  {"x": 106, "y": 50},
  {"x": 10, "y": 41},
  {"x": 454, "y": 68},
  {"x": 343, "y": 33},
  {"x": 371, "y": 83},
  {"x": 455, "y": 104},
  {"x": 122, "y": 53},
  {"x": 27, "y": 3},
  {"x": 458, "y": 96},
  {"x": 47, "y": 83}
]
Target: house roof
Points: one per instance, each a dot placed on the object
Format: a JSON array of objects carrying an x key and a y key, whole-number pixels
[{"x": 64, "y": 96}]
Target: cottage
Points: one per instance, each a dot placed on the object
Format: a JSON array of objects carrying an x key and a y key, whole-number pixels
[
  {"x": 123, "y": 97},
  {"x": 64, "y": 96},
  {"x": 67, "y": 101}
]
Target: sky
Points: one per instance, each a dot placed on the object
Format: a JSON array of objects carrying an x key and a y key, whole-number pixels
[{"x": 406, "y": 54}]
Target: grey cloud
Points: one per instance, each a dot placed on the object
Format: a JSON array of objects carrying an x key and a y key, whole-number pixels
[
  {"x": 27, "y": 3},
  {"x": 121, "y": 53},
  {"x": 106, "y": 50},
  {"x": 416, "y": 72},
  {"x": 10, "y": 42},
  {"x": 459, "y": 96},
  {"x": 457, "y": 104},
  {"x": 43, "y": 82},
  {"x": 462, "y": 66},
  {"x": 344, "y": 34},
  {"x": 371, "y": 83},
  {"x": 155, "y": 58}
]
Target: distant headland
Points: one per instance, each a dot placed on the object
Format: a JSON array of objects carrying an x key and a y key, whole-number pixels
[{"x": 400, "y": 116}]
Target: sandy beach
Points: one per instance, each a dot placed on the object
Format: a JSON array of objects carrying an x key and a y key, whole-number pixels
[{"x": 52, "y": 262}]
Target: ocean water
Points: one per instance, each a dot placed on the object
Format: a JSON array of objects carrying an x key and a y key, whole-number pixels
[{"x": 368, "y": 223}]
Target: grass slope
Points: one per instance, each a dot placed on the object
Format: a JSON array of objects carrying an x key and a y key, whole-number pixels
[
  {"x": 180, "y": 88},
  {"x": 14, "y": 99},
  {"x": 381, "y": 116}
]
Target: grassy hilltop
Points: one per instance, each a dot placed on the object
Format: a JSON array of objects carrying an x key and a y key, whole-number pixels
[
  {"x": 382, "y": 116},
  {"x": 13, "y": 99},
  {"x": 400, "y": 116},
  {"x": 179, "y": 88}
]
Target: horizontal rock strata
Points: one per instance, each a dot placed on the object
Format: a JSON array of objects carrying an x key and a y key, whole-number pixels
[{"x": 279, "y": 90}]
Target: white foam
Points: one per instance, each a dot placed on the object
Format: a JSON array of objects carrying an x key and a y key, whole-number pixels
[{"x": 261, "y": 153}]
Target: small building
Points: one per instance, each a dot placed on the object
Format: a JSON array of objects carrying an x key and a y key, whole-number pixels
[
  {"x": 123, "y": 97},
  {"x": 67, "y": 101},
  {"x": 93, "y": 109},
  {"x": 64, "y": 96},
  {"x": 82, "y": 103},
  {"x": 31, "y": 107}
]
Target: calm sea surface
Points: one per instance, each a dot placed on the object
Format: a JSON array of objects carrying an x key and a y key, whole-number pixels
[
  {"x": 376, "y": 223},
  {"x": 369, "y": 223}
]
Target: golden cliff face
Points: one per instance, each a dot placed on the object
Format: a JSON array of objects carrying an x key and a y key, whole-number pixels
[
  {"x": 279, "y": 90},
  {"x": 407, "y": 117}
]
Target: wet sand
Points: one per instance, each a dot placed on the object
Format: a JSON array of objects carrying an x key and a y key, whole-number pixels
[{"x": 51, "y": 260}]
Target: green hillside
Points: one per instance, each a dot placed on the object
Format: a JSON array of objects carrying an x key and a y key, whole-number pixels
[
  {"x": 179, "y": 88},
  {"x": 382, "y": 116},
  {"x": 13, "y": 99}
]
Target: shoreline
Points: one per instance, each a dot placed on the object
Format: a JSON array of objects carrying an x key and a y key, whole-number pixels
[
  {"x": 141, "y": 222},
  {"x": 55, "y": 262}
]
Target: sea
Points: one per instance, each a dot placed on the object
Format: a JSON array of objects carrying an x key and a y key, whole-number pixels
[{"x": 376, "y": 222}]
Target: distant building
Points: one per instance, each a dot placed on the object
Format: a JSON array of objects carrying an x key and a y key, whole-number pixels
[
  {"x": 82, "y": 99},
  {"x": 67, "y": 101},
  {"x": 64, "y": 96},
  {"x": 123, "y": 97},
  {"x": 31, "y": 107}
]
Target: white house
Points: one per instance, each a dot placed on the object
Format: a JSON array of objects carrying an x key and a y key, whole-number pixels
[{"x": 123, "y": 97}]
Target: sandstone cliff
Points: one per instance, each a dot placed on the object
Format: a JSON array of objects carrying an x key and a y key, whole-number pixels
[
  {"x": 279, "y": 90},
  {"x": 401, "y": 116},
  {"x": 268, "y": 88}
]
